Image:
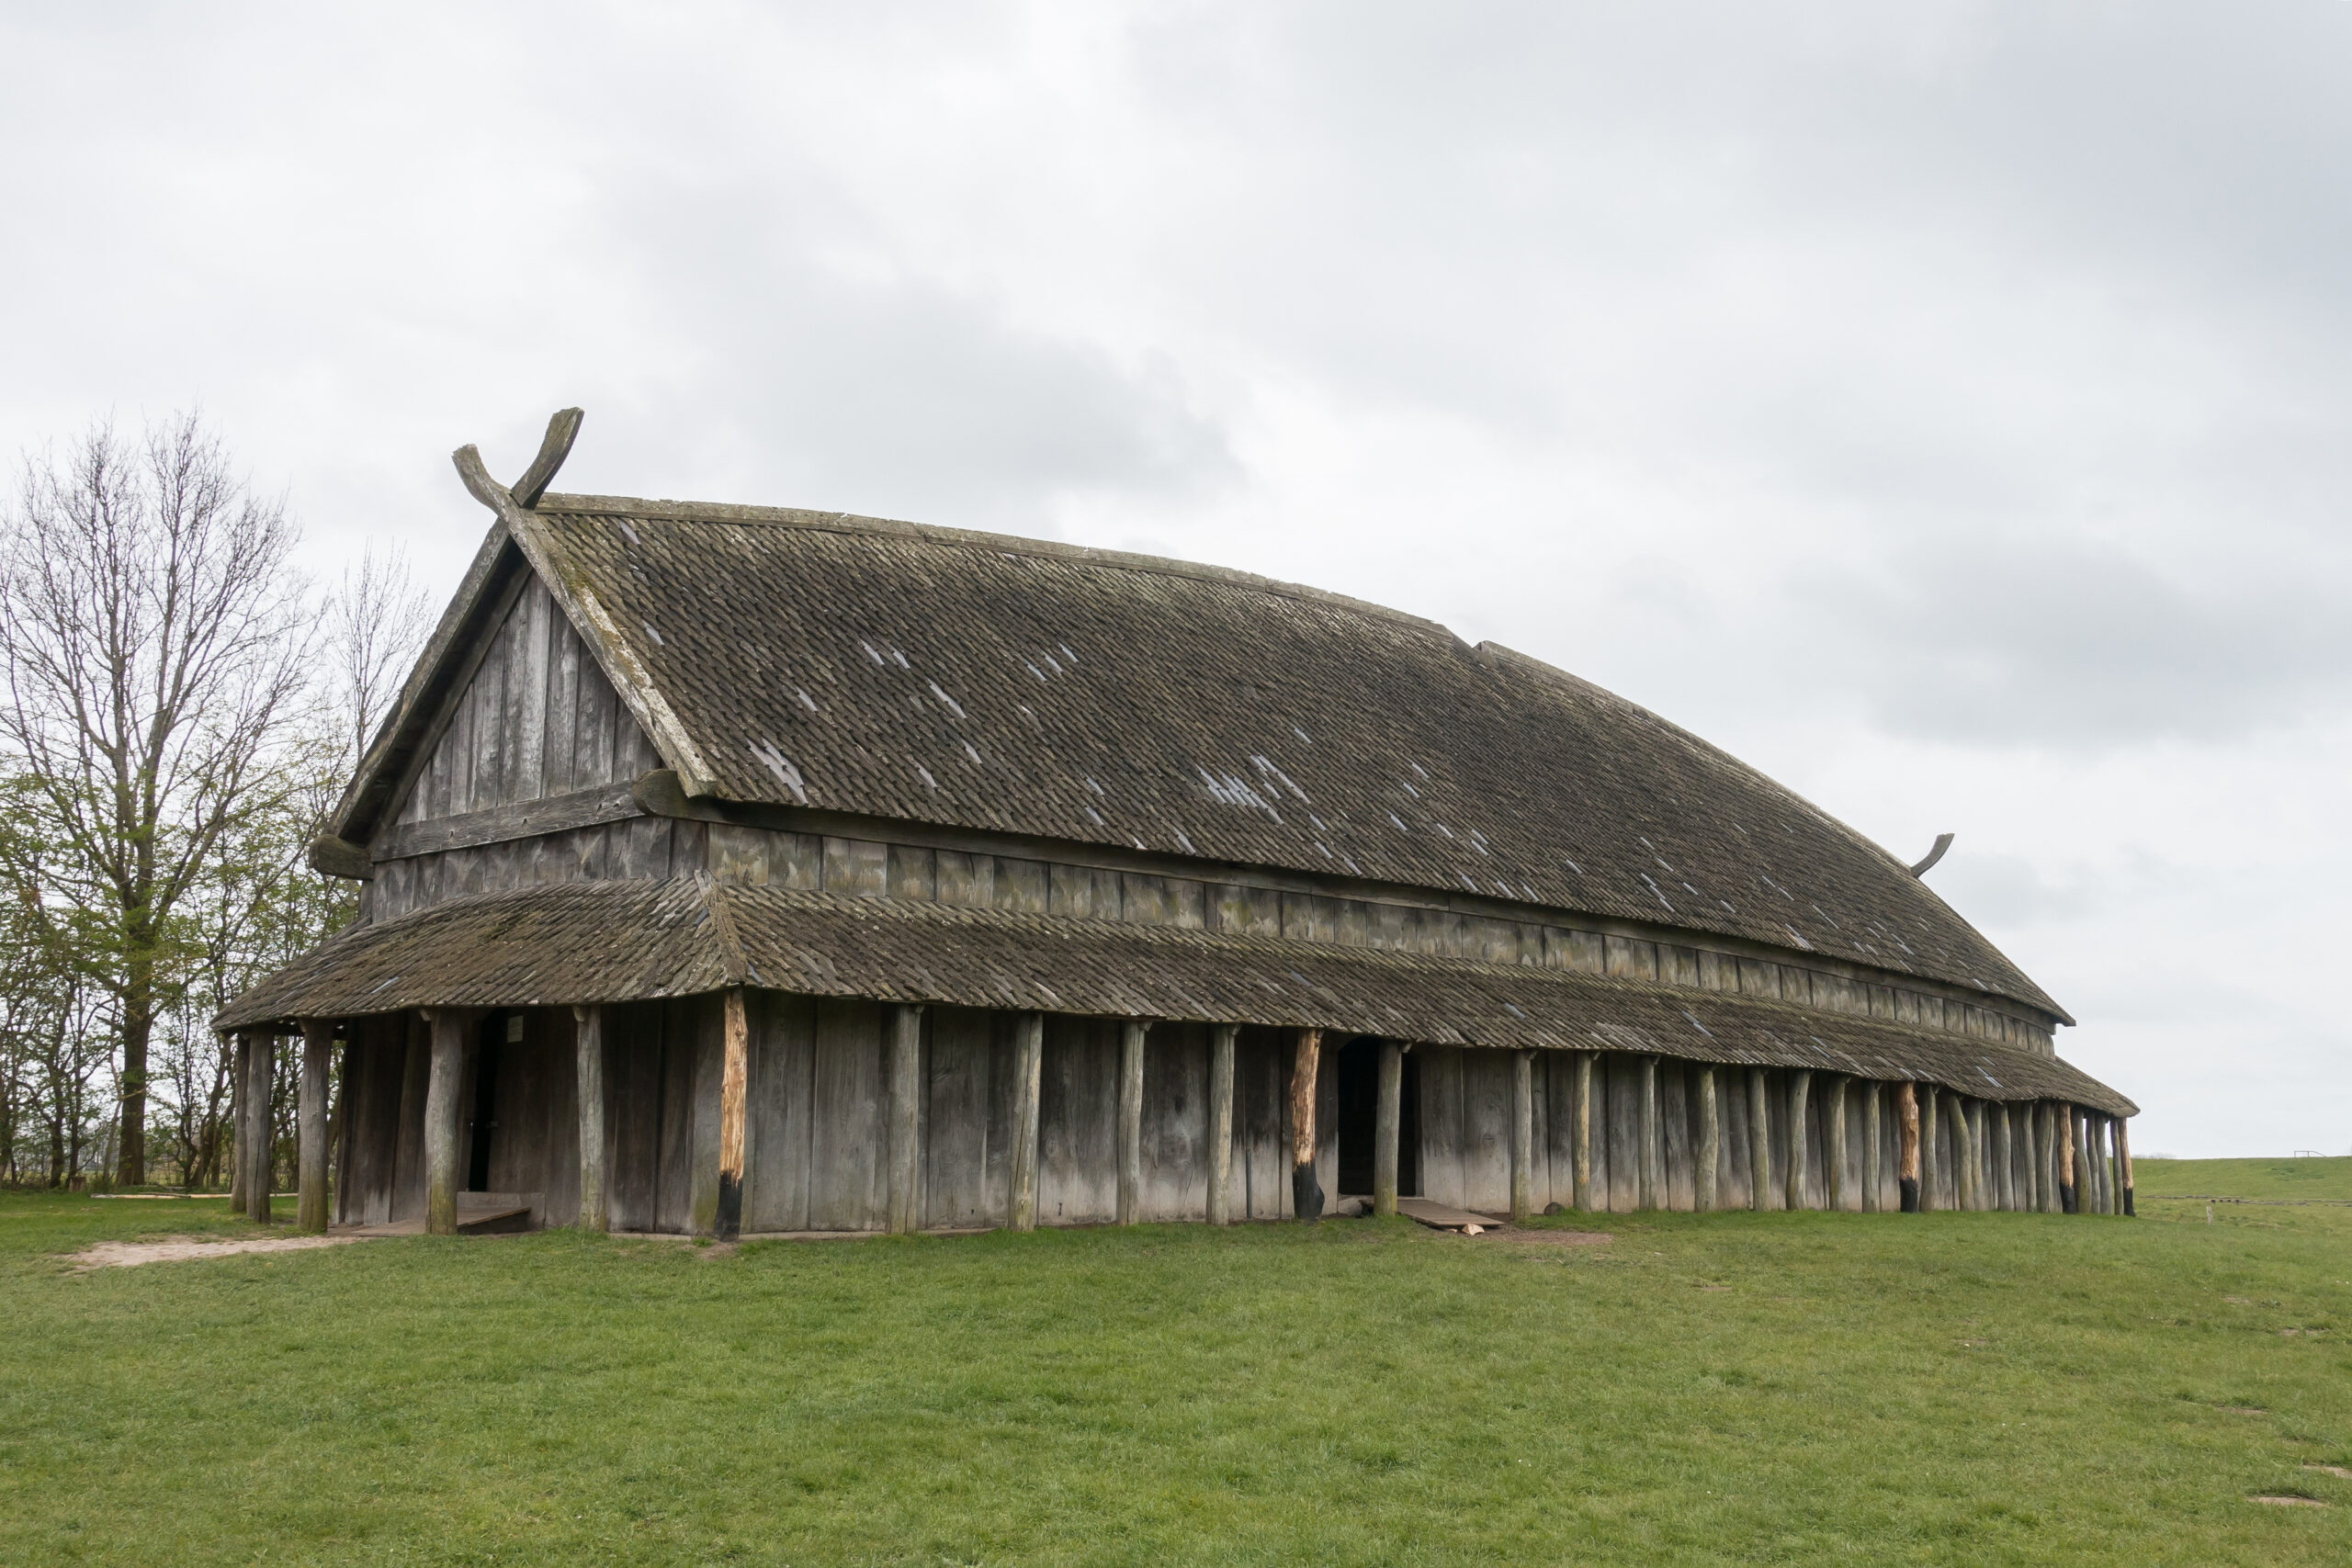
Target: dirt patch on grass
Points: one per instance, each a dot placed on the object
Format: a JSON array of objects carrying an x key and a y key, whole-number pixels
[
  {"x": 2337, "y": 1471},
  {"x": 1558, "y": 1238},
  {"x": 180, "y": 1248},
  {"x": 2286, "y": 1500}
]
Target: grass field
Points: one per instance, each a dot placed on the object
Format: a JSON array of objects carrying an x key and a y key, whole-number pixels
[{"x": 1807, "y": 1387}]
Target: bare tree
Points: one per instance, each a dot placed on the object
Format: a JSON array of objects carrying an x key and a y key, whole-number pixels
[
  {"x": 154, "y": 640},
  {"x": 253, "y": 903}
]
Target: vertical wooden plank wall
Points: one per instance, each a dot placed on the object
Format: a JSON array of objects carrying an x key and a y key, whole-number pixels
[
  {"x": 780, "y": 1095},
  {"x": 536, "y": 718},
  {"x": 1733, "y": 1189},
  {"x": 817, "y": 1136},
  {"x": 1078, "y": 1122},
  {"x": 848, "y": 1140},
  {"x": 1176, "y": 1123},
  {"x": 966, "y": 1179},
  {"x": 634, "y": 1078},
  {"x": 1261, "y": 1116}
]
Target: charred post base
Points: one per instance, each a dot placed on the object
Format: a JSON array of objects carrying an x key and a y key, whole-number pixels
[{"x": 1305, "y": 1194}]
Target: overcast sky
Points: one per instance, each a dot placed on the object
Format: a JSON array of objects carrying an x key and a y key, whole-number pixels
[{"x": 1944, "y": 407}]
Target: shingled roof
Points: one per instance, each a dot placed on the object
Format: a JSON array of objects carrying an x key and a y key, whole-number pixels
[
  {"x": 597, "y": 941},
  {"x": 895, "y": 671}
]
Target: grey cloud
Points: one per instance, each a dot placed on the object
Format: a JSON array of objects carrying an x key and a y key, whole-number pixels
[
  {"x": 894, "y": 393},
  {"x": 2008, "y": 891},
  {"x": 2067, "y": 645}
]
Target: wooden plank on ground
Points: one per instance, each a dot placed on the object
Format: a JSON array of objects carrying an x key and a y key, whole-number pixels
[{"x": 1442, "y": 1216}]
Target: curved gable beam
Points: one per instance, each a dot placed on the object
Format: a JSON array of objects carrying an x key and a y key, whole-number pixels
[{"x": 406, "y": 728}]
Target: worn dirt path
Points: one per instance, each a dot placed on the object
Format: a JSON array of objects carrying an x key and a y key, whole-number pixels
[{"x": 179, "y": 1248}]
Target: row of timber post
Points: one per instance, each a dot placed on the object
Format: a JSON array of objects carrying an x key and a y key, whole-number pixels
[{"x": 2069, "y": 1167}]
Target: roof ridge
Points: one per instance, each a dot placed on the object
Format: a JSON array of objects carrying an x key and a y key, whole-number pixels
[
  {"x": 734, "y": 962},
  {"x": 969, "y": 539}
]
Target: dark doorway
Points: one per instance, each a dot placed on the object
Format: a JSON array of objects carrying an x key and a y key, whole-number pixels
[
  {"x": 1360, "y": 1120},
  {"x": 486, "y": 1055}
]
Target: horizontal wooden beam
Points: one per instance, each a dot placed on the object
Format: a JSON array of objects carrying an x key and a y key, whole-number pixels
[
  {"x": 662, "y": 794},
  {"x": 519, "y": 819},
  {"x": 330, "y": 856}
]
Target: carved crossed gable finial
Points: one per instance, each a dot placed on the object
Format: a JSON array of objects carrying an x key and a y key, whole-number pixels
[{"x": 564, "y": 429}]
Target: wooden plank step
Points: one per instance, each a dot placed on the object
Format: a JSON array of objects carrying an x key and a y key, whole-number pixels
[
  {"x": 493, "y": 1221},
  {"x": 1442, "y": 1217}
]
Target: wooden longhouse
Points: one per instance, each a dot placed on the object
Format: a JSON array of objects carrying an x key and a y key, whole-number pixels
[{"x": 730, "y": 870}]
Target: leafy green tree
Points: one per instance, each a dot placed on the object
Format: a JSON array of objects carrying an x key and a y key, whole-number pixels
[{"x": 154, "y": 642}]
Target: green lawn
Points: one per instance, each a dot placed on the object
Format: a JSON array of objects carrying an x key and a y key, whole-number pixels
[{"x": 1942, "y": 1388}]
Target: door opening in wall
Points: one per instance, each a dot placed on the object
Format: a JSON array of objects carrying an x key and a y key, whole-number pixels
[
  {"x": 486, "y": 1055},
  {"x": 1360, "y": 1120}
]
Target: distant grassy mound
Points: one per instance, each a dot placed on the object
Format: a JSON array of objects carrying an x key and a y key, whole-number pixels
[{"x": 1736, "y": 1388}]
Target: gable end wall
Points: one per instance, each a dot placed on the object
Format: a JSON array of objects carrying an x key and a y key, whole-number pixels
[{"x": 536, "y": 718}]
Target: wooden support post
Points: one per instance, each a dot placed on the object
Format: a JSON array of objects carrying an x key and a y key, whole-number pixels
[
  {"x": 1966, "y": 1166},
  {"x": 2019, "y": 1119},
  {"x": 2097, "y": 1125},
  {"x": 2045, "y": 1190},
  {"x": 1833, "y": 1136},
  {"x": 1800, "y": 1089},
  {"x": 339, "y": 1143},
  {"x": 1988, "y": 1176},
  {"x": 310, "y": 1136},
  {"x": 1907, "y": 1130},
  {"x": 239, "y": 1158},
  {"x": 2115, "y": 1190},
  {"x": 1523, "y": 1134},
  {"x": 2123, "y": 1161},
  {"x": 2004, "y": 1196},
  {"x": 1953, "y": 1106},
  {"x": 2087, "y": 1197},
  {"x": 2069, "y": 1182},
  {"x": 1132, "y": 1035},
  {"x": 2060, "y": 1170},
  {"x": 588, "y": 1053},
  {"x": 1980, "y": 1157},
  {"x": 1221, "y": 1039},
  {"x": 1387, "y": 1129},
  {"x": 2057, "y": 1157},
  {"x": 2030, "y": 1143},
  {"x": 1028, "y": 1076},
  {"x": 1929, "y": 1199},
  {"x": 1710, "y": 1133},
  {"x": 2114, "y": 1176},
  {"x": 2110, "y": 1188},
  {"x": 1759, "y": 1143},
  {"x": 734, "y": 1094},
  {"x": 1582, "y": 1132},
  {"x": 1306, "y": 1193},
  {"x": 261, "y": 1083},
  {"x": 2028, "y": 1187},
  {"x": 1653, "y": 1155},
  {"x": 1873, "y": 1133},
  {"x": 442, "y": 1113},
  {"x": 905, "y": 1195}
]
